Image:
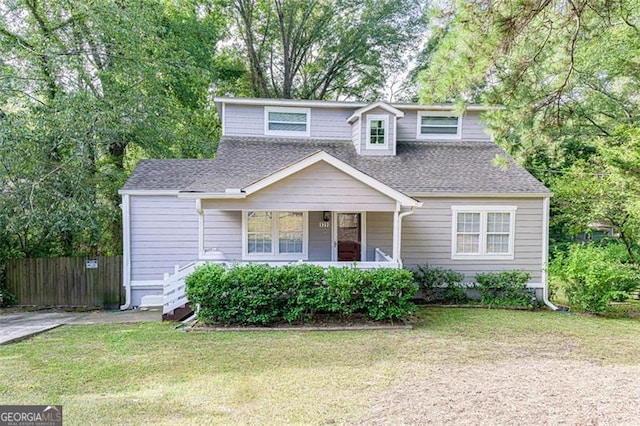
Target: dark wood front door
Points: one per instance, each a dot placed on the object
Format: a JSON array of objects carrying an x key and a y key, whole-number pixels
[{"x": 349, "y": 236}]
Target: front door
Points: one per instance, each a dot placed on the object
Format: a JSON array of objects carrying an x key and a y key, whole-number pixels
[{"x": 349, "y": 236}]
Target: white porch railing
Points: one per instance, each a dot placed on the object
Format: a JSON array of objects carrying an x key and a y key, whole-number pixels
[{"x": 174, "y": 287}]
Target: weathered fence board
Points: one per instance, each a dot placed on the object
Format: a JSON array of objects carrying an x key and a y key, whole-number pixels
[{"x": 66, "y": 281}]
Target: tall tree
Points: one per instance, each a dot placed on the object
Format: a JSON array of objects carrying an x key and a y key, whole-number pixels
[
  {"x": 324, "y": 49},
  {"x": 86, "y": 89},
  {"x": 568, "y": 73}
]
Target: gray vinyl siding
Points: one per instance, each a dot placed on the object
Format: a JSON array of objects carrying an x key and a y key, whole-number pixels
[
  {"x": 243, "y": 120},
  {"x": 426, "y": 237},
  {"x": 472, "y": 128},
  {"x": 379, "y": 233},
  {"x": 356, "y": 133},
  {"x": 319, "y": 238},
  {"x": 364, "y": 135},
  {"x": 330, "y": 123},
  {"x": 408, "y": 126},
  {"x": 318, "y": 187},
  {"x": 326, "y": 123},
  {"x": 223, "y": 231},
  {"x": 164, "y": 233}
]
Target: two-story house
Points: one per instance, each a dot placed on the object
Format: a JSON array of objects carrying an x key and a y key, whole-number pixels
[{"x": 334, "y": 183}]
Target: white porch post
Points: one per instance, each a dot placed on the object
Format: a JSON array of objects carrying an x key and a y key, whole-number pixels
[{"x": 396, "y": 233}]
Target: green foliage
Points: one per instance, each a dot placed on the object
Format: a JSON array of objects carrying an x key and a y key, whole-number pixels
[
  {"x": 441, "y": 284},
  {"x": 91, "y": 89},
  {"x": 260, "y": 294},
  {"x": 592, "y": 276},
  {"x": 505, "y": 288},
  {"x": 342, "y": 290},
  {"x": 387, "y": 293},
  {"x": 6, "y": 297},
  {"x": 567, "y": 73},
  {"x": 326, "y": 49}
]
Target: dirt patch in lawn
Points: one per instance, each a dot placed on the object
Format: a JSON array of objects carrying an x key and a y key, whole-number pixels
[{"x": 524, "y": 391}]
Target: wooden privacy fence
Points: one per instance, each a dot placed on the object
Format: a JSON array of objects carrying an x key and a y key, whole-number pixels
[{"x": 66, "y": 281}]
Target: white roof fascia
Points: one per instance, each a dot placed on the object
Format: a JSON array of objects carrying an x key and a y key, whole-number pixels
[
  {"x": 347, "y": 104},
  {"x": 148, "y": 192},
  {"x": 449, "y": 107},
  {"x": 287, "y": 102},
  {"x": 213, "y": 195},
  {"x": 338, "y": 164},
  {"x": 358, "y": 113},
  {"x": 481, "y": 195}
]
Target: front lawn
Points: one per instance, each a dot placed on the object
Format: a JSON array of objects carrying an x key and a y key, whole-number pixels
[{"x": 151, "y": 373}]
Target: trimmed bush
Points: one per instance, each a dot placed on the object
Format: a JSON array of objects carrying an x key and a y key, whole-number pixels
[
  {"x": 260, "y": 294},
  {"x": 387, "y": 293},
  {"x": 592, "y": 276},
  {"x": 441, "y": 284},
  {"x": 505, "y": 288}
]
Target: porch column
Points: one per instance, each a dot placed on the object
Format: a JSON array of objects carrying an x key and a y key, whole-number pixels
[{"x": 396, "y": 233}]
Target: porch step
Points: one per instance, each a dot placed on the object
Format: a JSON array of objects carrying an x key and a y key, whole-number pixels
[{"x": 181, "y": 313}]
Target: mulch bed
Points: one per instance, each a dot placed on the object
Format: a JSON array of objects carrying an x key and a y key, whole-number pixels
[{"x": 321, "y": 322}]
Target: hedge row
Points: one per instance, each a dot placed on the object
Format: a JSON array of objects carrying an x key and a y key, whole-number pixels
[{"x": 261, "y": 294}]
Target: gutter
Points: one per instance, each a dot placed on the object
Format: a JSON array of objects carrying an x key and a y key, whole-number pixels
[
  {"x": 545, "y": 254},
  {"x": 126, "y": 250},
  {"x": 400, "y": 216}
]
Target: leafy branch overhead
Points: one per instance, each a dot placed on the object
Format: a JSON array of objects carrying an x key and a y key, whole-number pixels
[{"x": 326, "y": 49}]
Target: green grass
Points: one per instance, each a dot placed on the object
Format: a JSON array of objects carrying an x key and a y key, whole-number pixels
[{"x": 152, "y": 373}]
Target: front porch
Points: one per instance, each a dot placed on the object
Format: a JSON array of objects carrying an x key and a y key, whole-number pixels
[
  {"x": 326, "y": 238},
  {"x": 174, "y": 300}
]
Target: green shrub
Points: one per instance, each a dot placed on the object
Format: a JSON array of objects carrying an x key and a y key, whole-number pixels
[
  {"x": 260, "y": 294},
  {"x": 387, "y": 293},
  {"x": 592, "y": 275},
  {"x": 505, "y": 288},
  {"x": 441, "y": 284},
  {"x": 6, "y": 297},
  {"x": 302, "y": 288},
  {"x": 341, "y": 292},
  {"x": 239, "y": 295}
]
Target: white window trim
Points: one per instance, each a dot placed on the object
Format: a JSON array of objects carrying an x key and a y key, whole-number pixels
[
  {"x": 269, "y": 109},
  {"x": 432, "y": 136},
  {"x": 376, "y": 117},
  {"x": 274, "y": 255},
  {"x": 482, "y": 254}
]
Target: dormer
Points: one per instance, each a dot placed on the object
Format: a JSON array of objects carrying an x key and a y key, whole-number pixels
[{"x": 374, "y": 129}]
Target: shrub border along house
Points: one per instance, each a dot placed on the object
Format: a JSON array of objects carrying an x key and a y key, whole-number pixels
[
  {"x": 504, "y": 288},
  {"x": 259, "y": 294}
]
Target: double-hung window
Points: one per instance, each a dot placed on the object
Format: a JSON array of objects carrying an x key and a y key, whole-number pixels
[
  {"x": 438, "y": 125},
  {"x": 279, "y": 121},
  {"x": 483, "y": 232},
  {"x": 277, "y": 234},
  {"x": 377, "y": 131}
]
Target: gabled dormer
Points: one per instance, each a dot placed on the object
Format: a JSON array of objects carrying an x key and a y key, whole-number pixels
[{"x": 374, "y": 129}]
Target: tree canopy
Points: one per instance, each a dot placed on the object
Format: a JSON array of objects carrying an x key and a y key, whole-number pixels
[{"x": 568, "y": 73}]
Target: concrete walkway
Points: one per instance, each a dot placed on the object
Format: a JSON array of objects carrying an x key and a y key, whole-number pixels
[{"x": 22, "y": 325}]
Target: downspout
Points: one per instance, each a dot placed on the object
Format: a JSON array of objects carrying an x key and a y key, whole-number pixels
[
  {"x": 126, "y": 250},
  {"x": 545, "y": 254},
  {"x": 400, "y": 216},
  {"x": 200, "y": 213}
]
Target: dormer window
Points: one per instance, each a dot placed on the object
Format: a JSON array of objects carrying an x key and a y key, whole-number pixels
[
  {"x": 377, "y": 131},
  {"x": 438, "y": 125},
  {"x": 280, "y": 121}
]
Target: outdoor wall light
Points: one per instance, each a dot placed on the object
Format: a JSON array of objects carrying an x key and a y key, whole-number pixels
[{"x": 326, "y": 216}]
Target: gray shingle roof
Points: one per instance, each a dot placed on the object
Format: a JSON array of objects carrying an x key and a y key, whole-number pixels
[{"x": 419, "y": 167}]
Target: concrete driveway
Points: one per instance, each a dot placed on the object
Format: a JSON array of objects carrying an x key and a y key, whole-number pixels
[{"x": 22, "y": 325}]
